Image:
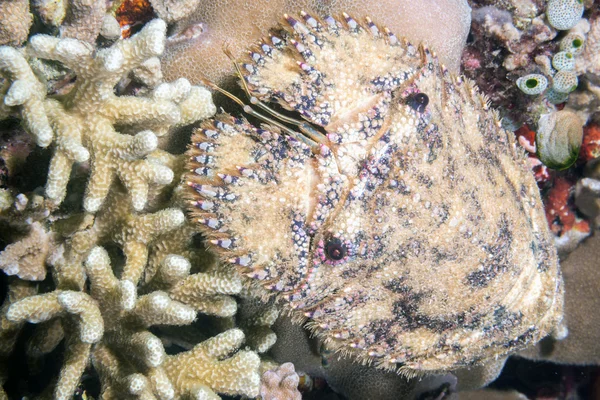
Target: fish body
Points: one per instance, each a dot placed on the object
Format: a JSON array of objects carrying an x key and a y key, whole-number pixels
[{"x": 401, "y": 220}]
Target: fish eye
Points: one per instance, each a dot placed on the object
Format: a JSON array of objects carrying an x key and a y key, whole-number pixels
[
  {"x": 418, "y": 101},
  {"x": 335, "y": 250}
]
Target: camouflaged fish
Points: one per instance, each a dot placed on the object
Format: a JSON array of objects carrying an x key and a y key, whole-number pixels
[{"x": 392, "y": 211}]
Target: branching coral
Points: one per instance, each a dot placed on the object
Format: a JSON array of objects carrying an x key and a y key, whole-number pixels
[
  {"x": 82, "y": 124},
  {"x": 81, "y": 321},
  {"x": 150, "y": 365},
  {"x": 109, "y": 324},
  {"x": 9, "y": 330},
  {"x": 112, "y": 320},
  {"x": 27, "y": 257},
  {"x": 171, "y": 297},
  {"x": 102, "y": 303},
  {"x": 193, "y": 370},
  {"x": 133, "y": 232}
]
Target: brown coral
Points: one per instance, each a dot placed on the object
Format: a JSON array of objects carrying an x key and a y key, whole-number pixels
[
  {"x": 174, "y": 10},
  {"x": 280, "y": 384},
  {"x": 15, "y": 22},
  {"x": 83, "y": 20},
  {"x": 27, "y": 257}
]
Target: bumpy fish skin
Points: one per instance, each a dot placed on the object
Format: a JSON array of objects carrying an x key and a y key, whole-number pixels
[{"x": 413, "y": 235}]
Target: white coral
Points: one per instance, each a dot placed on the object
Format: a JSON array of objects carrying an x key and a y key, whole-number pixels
[{"x": 82, "y": 125}]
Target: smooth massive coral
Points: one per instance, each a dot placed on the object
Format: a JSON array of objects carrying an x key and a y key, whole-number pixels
[
  {"x": 174, "y": 10},
  {"x": 582, "y": 302},
  {"x": 237, "y": 24}
]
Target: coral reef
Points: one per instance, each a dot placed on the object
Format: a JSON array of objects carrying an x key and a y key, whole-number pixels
[
  {"x": 512, "y": 55},
  {"x": 112, "y": 284},
  {"x": 510, "y": 46}
]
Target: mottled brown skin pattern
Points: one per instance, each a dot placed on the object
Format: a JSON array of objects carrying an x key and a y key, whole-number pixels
[{"x": 413, "y": 235}]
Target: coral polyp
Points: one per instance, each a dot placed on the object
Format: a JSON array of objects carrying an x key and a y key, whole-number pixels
[{"x": 385, "y": 204}]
